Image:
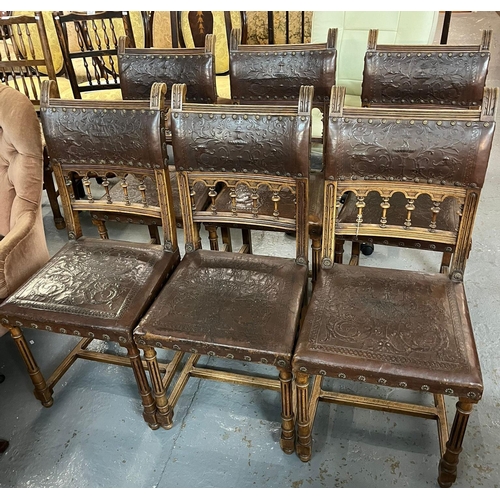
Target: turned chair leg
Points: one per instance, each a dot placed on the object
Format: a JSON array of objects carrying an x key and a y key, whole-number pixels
[
  {"x": 101, "y": 228},
  {"x": 287, "y": 441},
  {"x": 449, "y": 461},
  {"x": 52, "y": 193},
  {"x": 316, "y": 256},
  {"x": 339, "y": 251},
  {"x": 42, "y": 392},
  {"x": 164, "y": 411},
  {"x": 304, "y": 441},
  {"x": 212, "y": 236},
  {"x": 148, "y": 401},
  {"x": 445, "y": 262}
]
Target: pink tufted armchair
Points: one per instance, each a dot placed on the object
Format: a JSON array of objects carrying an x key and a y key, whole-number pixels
[{"x": 23, "y": 249}]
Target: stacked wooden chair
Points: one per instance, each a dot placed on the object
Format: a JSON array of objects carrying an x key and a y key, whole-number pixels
[
  {"x": 391, "y": 327},
  {"x": 92, "y": 288},
  {"x": 139, "y": 69}
]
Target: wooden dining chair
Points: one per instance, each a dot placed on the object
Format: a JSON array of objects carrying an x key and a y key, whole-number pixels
[
  {"x": 25, "y": 62},
  {"x": 418, "y": 76},
  {"x": 89, "y": 45},
  {"x": 263, "y": 75},
  {"x": 93, "y": 288},
  {"x": 392, "y": 327},
  {"x": 235, "y": 306},
  {"x": 139, "y": 69}
]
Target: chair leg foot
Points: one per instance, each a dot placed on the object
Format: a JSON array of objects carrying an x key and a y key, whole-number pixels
[
  {"x": 449, "y": 461},
  {"x": 42, "y": 392},
  {"x": 304, "y": 441},
  {"x": 148, "y": 401},
  {"x": 164, "y": 412},
  {"x": 287, "y": 440}
]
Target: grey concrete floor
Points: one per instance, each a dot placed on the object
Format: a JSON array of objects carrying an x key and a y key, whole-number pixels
[{"x": 226, "y": 435}]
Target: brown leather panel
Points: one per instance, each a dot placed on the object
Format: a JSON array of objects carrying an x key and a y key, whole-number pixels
[
  {"x": 436, "y": 151},
  {"x": 401, "y": 78},
  {"x": 91, "y": 285},
  {"x": 390, "y": 327},
  {"x": 197, "y": 71},
  {"x": 256, "y": 143},
  {"x": 447, "y": 219},
  {"x": 227, "y": 304},
  {"x": 117, "y": 195},
  {"x": 277, "y": 75},
  {"x": 97, "y": 136}
]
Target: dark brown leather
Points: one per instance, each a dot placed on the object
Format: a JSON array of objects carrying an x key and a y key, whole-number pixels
[
  {"x": 431, "y": 151},
  {"x": 140, "y": 68},
  {"x": 230, "y": 305},
  {"x": 404, "y": 76},
  {"x": 390, "y": 327},
  {"x": 134, "y": 195},
  {"x": 274, "y": 73},
  {"x": 91, "y": 288},
  {"x": 260, "y": 142},
  {"x": 82, "y": 135}
]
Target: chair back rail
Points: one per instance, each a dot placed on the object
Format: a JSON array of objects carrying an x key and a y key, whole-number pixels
[
  {"x": 425, "y": 75},
  {"x": 274, "y": 74},
  {"x": 243, "y": 145},
  {"x": 104, "y": 139},
  {"x": 25, "y": 57},
  {"x": 140, "y": 68},
  {"x": 97, "y": 38},
  {"x": 433, "y": 153}
]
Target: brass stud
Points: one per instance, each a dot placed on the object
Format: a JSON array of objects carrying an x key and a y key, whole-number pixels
[
  {"x": 105, "y": 337},
  {"x": 247, "y": 358},
  {"x": 342, "y": 375},
  {"x": 361, "y": 378},
  {"x": 425, "y": 387},
  {"x": 303, "y": 369},
  {"x": 322, "y": 372},
  {"x": 403, "y": 384}
]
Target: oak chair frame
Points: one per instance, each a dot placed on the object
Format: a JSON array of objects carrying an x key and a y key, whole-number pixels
[
  {"x": 188, "y": 176},
  {"x": 92, "y": 48},
  {"x": 139, "y": 68},
  {"x": 14, "y": 320},
  {"x": 468, "y": 193},
  {"x": 325, "y": 57},
  {"x": 476, "y": 57}
]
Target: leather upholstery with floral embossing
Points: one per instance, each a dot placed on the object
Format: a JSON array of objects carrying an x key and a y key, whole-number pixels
[
  {"x": 91, "y": 288},
  {"x": 398, "y": 77},
  {"x": 230, "y": 305},
  {"x": 390, "y": 327},
  {"x": 434, "y": 151}
]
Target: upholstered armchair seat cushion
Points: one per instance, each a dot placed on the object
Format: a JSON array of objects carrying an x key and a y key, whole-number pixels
[{"x": 23, "y": 250}]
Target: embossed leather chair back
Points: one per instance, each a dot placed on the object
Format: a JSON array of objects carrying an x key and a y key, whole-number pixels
[
  {"x": 265, "y": 74},
  {"x": 426, "y": 155},
  {"x": 257, "y": 146},
  {"x": 99, "y": 139},
  {"x": 25, "y": 58},
  {"x": 140, "y": 68},
  {"x": 93, "y": 66},
  {"x": 425, "y": 75}
]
